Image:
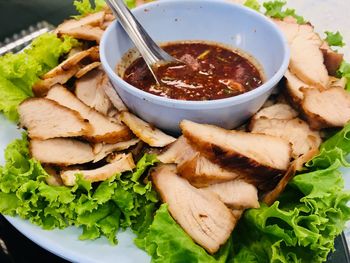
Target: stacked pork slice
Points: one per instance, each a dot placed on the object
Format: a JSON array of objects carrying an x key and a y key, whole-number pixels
[
  {"x": 321, "y": 98},
  {"x": 77, "y": 124}
]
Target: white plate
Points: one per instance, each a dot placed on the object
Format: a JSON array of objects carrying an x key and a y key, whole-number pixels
[{"x": 328, "y": 15}]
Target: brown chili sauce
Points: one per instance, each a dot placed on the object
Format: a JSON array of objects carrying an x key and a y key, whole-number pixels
[{"x": 209, "y": 72}]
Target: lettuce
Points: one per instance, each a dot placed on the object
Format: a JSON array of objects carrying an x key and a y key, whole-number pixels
[
  {"x": 276, "y": 9},
  {"x": 99, "y": 209},
  {"x": 344, "y": 72},
  {"x": 20, "y": 71},
  {"x": 85, "y": 7},
  {"x": 253, "y": 4},
  {"x": 334, "y": 39},
  {"x": 166, "y": 242},
  {"x": 336, "y": 148},
  {"x": 302, "y": 225}
]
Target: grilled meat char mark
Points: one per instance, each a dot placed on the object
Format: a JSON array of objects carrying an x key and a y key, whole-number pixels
[{"x": 262, "y": 158}]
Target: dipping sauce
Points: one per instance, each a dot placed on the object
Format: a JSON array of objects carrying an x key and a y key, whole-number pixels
[{"x": 210, "y": 72}]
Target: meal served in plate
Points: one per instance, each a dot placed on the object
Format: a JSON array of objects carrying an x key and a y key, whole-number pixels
[{"x": 266, "y": 191}]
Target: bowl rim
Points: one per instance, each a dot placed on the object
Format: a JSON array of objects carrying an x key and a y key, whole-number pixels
[{"x": 217, "y": 103}]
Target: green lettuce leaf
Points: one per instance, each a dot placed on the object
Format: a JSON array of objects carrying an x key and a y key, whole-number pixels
[
  {"x": 336, "y": 148},
  {"x": 166, "y": 242},
  {"x": 334, "y": 39},
  {"x": 344, "y": 71},
  {"x": 276, "y": 9},
  {"x": 253, "y": 4},
  {"x": 100, "y": 209},
  {"x": 301, "y": 226},
  {"x": 85, "y": 7},
  {"x": 20, "y": 71}
]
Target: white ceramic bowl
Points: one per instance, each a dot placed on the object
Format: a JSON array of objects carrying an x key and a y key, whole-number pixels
[{"x": 211, "y": 20}]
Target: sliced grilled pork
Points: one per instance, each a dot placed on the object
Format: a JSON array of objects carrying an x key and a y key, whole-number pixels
[
  {"x": 89, "y": 90},
  {"x": 94, "y": 19},
  {"x": 201, "y": 172},
  {"x": 87, "y": 69},
  {"x": 293, "y": 89},
  {"x": 61, "y": 151},
  {"x": 326, "y": 108},
  {"x": 335, "y": 82},
  {"x": 145, "y": 132},
  {"x": 62, "y": 73},
  {"x": 104, "y": 130},
  {"x": 84, "y": 32},
  {"x": 296, "y": 131},
  {"x": 177, "y": 152},
  {"x": 113, "y": 95},
  {"x": 236, "y": 194},
  {"x": 306, "y": 60},
  {"x": 121, "y": 163},
  {"x": 297, "y": 165},
  {"x": 101, "y": 150},
  {"x": 200, "y": 213},
  {"x": 41, "y": 87},
  {"x": 261, "y": 156},
  {"x": 277, "y": 111},
  {"x": 54, "y": 179},
  {"x": 197, "y": 169},
  {"x": 45, "y": 119},
  {"x": 332, "y": 59}
]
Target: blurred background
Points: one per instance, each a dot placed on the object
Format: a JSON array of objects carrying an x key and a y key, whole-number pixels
[
  {"x": 16, "y": 15},
  {"x": 20, "y": 20}
]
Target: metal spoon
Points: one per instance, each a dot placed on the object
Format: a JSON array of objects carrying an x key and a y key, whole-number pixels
[{"x": 153, "y": 55}]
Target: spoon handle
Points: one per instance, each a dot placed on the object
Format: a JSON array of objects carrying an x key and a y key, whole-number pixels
[{"x": 149, "y": 50}]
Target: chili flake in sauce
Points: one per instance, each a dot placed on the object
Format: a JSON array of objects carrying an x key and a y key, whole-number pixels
[{"x": 210, "y": 72}]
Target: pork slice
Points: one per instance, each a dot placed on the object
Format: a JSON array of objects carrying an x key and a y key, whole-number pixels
[
  {"x": 145, "y": 132},
  {"x": 113, "y": 95},
  {"x": 258, "y": 155},
  {"x": 236, "y": 194},
  {"x": 200, "y": 213},
  {"x": 297, "y": 165},
  {"x": 296, "y": 131},
  {"x": 104, "y": 129},
  {"x": 335, "y": 82},
  {"x": 54, "y": 179},
  {"x": 177, "y": 152},
  {"x": 68, "y": 63},
  {"x": 197, "y": 169},
  {"x": 293, "y": 89},
  {"x": 290, "y": 29},
  {"x": 61, "y": 73},
  {"x": 61, "y": 151},
  {"x": 332, "y": 59},
  {"x": 84, "y": 32},
  {"x": 42, "y": 86},
  {"x": 121, "y": 163},
  {"x": 278, "y": 111},
  {"x": 89, "y": 89},
  {"x": 326, "y": 108},
  {"x": 201, "y": 172},
  {"x": 306, "y": 59},
  {"x": 94, "y": 19},
  {"x": 45, "y": 119},
  {"x": 101, "y": 150},
  {"x": 86, "y": 69}
]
